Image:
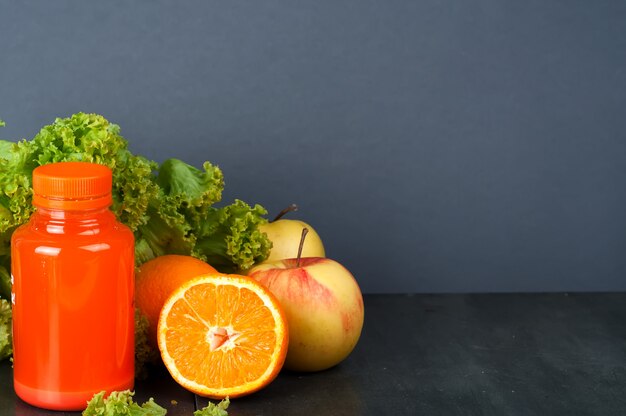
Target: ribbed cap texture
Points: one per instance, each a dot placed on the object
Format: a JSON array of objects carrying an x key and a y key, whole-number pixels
[{"x": 72, "y": 185}]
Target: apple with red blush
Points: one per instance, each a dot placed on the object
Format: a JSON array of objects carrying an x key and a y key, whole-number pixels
[{"x": 323, "y": 304}]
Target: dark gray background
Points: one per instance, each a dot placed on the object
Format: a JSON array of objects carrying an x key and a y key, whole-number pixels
[{"x": 436, "y": 146}]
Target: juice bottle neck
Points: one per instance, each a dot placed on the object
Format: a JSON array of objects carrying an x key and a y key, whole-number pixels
[
  {"x": 56, "y": 221},
  {"x": 61, "y": 215}
]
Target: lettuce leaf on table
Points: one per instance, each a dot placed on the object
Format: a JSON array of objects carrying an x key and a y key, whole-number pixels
[
  {"x": 213, "y": 409},
  {"x": 120, "y": 403}
]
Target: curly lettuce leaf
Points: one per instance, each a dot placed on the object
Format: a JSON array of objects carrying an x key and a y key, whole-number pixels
[
  {"x": 6, "y": 345},
  {"x": 185, "y": 194},
  {"x": 184, "y": 221},
  {"x": 213, "y": 409},
  {"x": 92, "y": 138},
  {"x": 188, "y": 193},
  {"x": 193, "y": 189},
  {"x": 229, "y": 238},
  {"x": 81, "y": 137},
  {"x": 120, "y": 403},
  {"x": 16, "y": 167}
]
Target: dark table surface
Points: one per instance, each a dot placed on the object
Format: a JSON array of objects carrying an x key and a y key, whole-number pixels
[{"x": 491, "y": 354}]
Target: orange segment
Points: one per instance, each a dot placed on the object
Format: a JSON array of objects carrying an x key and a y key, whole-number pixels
[{"x": 222, "y": 335}]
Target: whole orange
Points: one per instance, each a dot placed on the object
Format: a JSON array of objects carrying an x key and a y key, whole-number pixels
[{"x": 156, "y": 279}]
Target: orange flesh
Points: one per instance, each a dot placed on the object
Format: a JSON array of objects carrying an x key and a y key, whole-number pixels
[{"x": 236, "y": 327}]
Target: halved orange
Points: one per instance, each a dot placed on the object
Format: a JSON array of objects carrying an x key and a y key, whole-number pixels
[{"x": 222, "y": 335}]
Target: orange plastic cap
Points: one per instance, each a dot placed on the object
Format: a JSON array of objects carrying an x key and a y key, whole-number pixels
[{"x": 72, "y": 186}]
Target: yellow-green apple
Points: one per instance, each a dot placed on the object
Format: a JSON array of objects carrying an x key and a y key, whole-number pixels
[
  {"x": 285, "y": 236},
  {"x": 324, "y": 309}
]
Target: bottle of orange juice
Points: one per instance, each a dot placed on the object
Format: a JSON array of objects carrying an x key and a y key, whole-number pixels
[{"x": 72, "y": 269}]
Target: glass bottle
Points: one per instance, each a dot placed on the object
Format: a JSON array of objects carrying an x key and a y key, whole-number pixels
[{"x": 72, "y": 269}]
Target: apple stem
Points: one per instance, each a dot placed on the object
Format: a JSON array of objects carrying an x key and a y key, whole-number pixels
[
  {"x": 292, "y": 207},
  {"x": 302, "y": 238}
]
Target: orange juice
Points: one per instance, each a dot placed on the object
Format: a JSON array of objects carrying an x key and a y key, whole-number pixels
[{"x": 72, "y": 270}]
